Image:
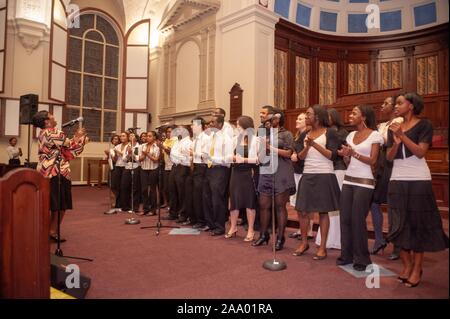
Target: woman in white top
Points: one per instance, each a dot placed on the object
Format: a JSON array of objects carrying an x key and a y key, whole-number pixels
[
  {"x": 415, "y": 221},
  {"x": 318, "y": 190},
  {"x": 131, "y": 178},
  {"x": 334, "y": 234},
  {"x": 300, "y": 125},
  {"x": 363, "y": 146},
  {"x": 384, "y": 169},
  {"x": 117, "y": 174},
  {"x": 149, "y": 158}
]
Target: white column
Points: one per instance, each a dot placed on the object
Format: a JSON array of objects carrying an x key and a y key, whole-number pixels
[{"x": 245, "y": 54}]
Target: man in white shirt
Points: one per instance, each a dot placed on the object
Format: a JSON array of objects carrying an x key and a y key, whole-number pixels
[
  {"x": 227, "y": 128},
  {"x": 181, "y": 158},
  {"x": 199, "y": 147},
  {"x": 215, "y": 194}
]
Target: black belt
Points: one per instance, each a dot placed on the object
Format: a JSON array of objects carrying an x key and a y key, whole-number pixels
[{"x": 359, "y": 180}]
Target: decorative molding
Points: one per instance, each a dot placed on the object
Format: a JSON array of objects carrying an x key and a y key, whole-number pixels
[
  {"x": 178, "y": 15},
  {"x": 169, "y": 117},
  {"x": 250, "y": 14},
  {"x": 31, "y": 33}
]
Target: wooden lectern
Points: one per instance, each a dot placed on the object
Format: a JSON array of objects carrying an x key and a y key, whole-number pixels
[{"x": 24, "y": 235}]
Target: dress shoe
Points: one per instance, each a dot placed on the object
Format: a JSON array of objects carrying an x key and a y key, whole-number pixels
[
  {"x": 342, "y": 262},
  {"x": 198, "y": 226},
  {"x": 393, "y": 257},
  {"x": 217, "y": 232},
  {"x": 279, "y": 243},
  {"x": 181, "y": 220},
  {"x": 359, "y": 267},
  {"x": 263, "y": 239},
  {"x": 168, "y": 218},
  {"x": 186, "y": 223},
  {"x": 205, "y": 228}
]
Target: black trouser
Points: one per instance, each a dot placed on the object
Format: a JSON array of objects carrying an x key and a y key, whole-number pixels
[
  {"x": 172, "y": 189},
  {"x": 116, "y": 179},
  {"x": 215, "y": 200},
  {"x": 181, "y": 175},
  {"x": 355, "y": 205},
  {"x": 188, "y": 205},
  {"x": 14, "y": 162},
  {"x": 198, "y": 181},
  {"x": 149, "y": 182},
  {"x": 165, "y": 185},
  {"x": 126, "y": 188}
]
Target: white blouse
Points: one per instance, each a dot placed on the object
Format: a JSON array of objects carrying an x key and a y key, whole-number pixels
[
  {"x": 315, "y": 162},
  {"x": 356, "y": 168}
]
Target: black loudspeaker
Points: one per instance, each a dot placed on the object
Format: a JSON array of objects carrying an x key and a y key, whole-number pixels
[
  {"x": 28, "y": 107},
  {"x": 58, "y": 276}
]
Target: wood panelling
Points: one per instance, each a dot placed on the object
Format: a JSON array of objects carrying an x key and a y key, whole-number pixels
[
  {"x": 397, "y": 55},
  {"x": 396, "y": 63}
]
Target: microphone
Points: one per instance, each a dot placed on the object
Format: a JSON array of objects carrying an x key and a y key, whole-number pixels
[{"x": 73, "y": 122}]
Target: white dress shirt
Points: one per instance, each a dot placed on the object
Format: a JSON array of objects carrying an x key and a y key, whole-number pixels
[
  {"x": 200, "y": 147},
  {"x": 222, "y": 148},
  {"x": 181, "y": 152}
]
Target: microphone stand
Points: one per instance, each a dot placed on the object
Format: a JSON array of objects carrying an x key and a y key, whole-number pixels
[
  {"x": 58, "y": 251},
  {"x": 273, "y": 264},
  {"x": 159, "y": 225},
  {"x": 132, "y": 220}
]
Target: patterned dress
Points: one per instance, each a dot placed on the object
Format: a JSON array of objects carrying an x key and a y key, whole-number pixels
[{"x": 51, "y": 140}]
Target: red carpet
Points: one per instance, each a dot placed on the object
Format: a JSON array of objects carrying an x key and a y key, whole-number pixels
[{"x": 134, "y": 263}]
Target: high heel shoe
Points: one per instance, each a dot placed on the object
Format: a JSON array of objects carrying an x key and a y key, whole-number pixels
[
  {"x": 263, "y": 239},
  {"x": 381, "y": 247},
  {"x": 299, "y": 252},
  {"x": 412, "y": 285},
  {"x": 249, "y": 238},
  {"x": 405, "y": 280},
  {"x": 280, "y": 243},
  {"x": 229, "y": 235}
]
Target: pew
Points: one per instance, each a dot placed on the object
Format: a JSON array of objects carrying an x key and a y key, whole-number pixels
[{"x": 24, "y": 235}]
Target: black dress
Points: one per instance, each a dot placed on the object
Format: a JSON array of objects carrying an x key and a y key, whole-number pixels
[
  {"x": 242, "y": 185},
  {"x": 414, "y": 219}
]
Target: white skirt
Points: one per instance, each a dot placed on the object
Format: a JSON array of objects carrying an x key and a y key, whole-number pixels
[
  {"x": 334, "y": 234},
  {"x": 293, "y": 198}
]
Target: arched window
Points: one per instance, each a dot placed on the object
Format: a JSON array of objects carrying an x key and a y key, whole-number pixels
[{"x": 93, "y": 76}]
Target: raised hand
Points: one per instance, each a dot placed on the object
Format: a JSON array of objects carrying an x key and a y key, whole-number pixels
[{"x": 396, "y": 128}]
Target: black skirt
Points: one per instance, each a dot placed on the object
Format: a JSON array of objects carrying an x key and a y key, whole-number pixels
[
  {"x": 414, "y": 219},
  {"x": 65, "y": 191},
  {"x": 242, "y": 188},
  {"x": 318, "y": 193}
]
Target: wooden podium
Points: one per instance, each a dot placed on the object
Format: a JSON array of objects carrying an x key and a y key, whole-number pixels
[{"x": 24, "y": 235}]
